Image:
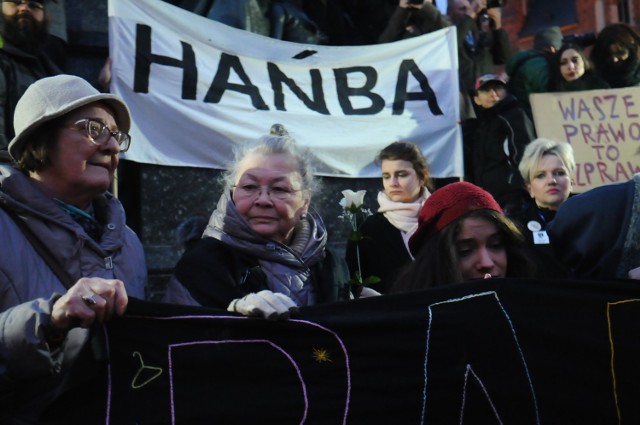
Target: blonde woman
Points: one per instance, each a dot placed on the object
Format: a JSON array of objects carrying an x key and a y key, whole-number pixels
[{"x": 547, "y": 168}]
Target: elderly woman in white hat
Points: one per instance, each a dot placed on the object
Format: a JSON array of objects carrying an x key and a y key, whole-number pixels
[{"x": 67, "y": 259}]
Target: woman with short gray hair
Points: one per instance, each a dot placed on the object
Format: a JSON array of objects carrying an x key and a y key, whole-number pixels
[
  {"x": 264, "y": 251},
  {"x": 277, "y": 142}
]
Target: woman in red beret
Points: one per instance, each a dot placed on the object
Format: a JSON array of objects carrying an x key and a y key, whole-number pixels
[{"x": 463, "y": 235}]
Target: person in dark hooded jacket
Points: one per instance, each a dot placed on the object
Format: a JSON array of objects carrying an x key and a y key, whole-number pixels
[
  {"x": 616, "y": 55},
  {"x": 495, "y": 140},
  {"x": 529, "y": 70}
]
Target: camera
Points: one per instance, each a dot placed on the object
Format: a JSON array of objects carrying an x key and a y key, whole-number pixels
[
  {"x": 495, "y": 3},
  {"x": 583, "y": 40}
]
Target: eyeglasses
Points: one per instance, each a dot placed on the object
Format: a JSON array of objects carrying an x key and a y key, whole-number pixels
[
  {"x": 99, "y": 134},
  {"x": 253, "y": 191},
  {"x": 33, "y": 5}
]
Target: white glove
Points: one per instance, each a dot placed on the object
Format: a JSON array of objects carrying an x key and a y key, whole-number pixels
[
  {"x": 267, "y": 304},
  {"x": 634, "y": 273},
  {"x": 368, "y": 292}
]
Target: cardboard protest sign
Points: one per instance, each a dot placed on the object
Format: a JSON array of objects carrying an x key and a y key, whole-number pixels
[{"x": 602, "y": 126}]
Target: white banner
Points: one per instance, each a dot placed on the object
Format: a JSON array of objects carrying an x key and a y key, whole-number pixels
[{"x": 197, "y": 88}]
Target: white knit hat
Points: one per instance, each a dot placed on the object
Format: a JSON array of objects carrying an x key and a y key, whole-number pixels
[{"x": 52, "y": 97}]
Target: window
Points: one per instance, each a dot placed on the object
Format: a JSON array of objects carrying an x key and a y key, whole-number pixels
[{"x": 546, "y": 13}]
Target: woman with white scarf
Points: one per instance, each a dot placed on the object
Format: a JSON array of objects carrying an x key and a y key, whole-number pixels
[
  {"x": 264, "y": 251},
  {"x": 383, "y": 251}
]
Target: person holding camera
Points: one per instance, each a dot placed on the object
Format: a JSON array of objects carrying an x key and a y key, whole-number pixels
[
  {"x": 483, "y": 45},
  {"x": 412, "y": 18}
]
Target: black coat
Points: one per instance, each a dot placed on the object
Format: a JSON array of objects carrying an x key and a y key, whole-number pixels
[
  {"x": 290, "y": 23},
  {"x": 382, "y": 252},
  {"x": 423, "y": 21},
  {"x": 215, "y": 274},
  {"x": 589, "y": 81},
  {"x": 479, "y": 52},
  {"x": 626, "y": 74},
  {"x": 547, "y": 265},
  {"x": 493, "y": 146}
]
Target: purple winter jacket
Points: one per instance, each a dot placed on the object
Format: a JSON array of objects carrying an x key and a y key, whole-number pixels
[{"x": 29, "y": 370}]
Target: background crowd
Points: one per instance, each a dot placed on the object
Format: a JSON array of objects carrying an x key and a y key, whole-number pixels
[{"x": 69, "y": 261}]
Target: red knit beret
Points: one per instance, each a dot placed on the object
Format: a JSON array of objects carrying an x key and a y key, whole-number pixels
[{"x": 446, "y": 205}]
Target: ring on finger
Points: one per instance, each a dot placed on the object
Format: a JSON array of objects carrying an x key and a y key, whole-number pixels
[{"x": 89, "y": 300}]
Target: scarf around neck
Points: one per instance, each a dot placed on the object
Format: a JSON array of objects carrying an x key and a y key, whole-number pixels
[
  {"x": 287, "y": 267},
  {"x": 402, "y": 215},
  {"x": 86, "y": 219}
]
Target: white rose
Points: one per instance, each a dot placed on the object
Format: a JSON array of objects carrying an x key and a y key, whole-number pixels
[{"x": 352, "y": 199}]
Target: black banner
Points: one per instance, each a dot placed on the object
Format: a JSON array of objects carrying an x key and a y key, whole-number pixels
[{"x": 487, "y": 352}]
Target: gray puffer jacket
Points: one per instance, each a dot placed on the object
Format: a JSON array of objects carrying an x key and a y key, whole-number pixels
[{"x": 29, "y": 370}]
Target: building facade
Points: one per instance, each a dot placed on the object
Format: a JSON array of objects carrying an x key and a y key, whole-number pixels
[{"x": 522, "y": 18}]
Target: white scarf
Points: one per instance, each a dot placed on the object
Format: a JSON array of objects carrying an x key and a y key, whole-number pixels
[{"x": 402, "y": 215}]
